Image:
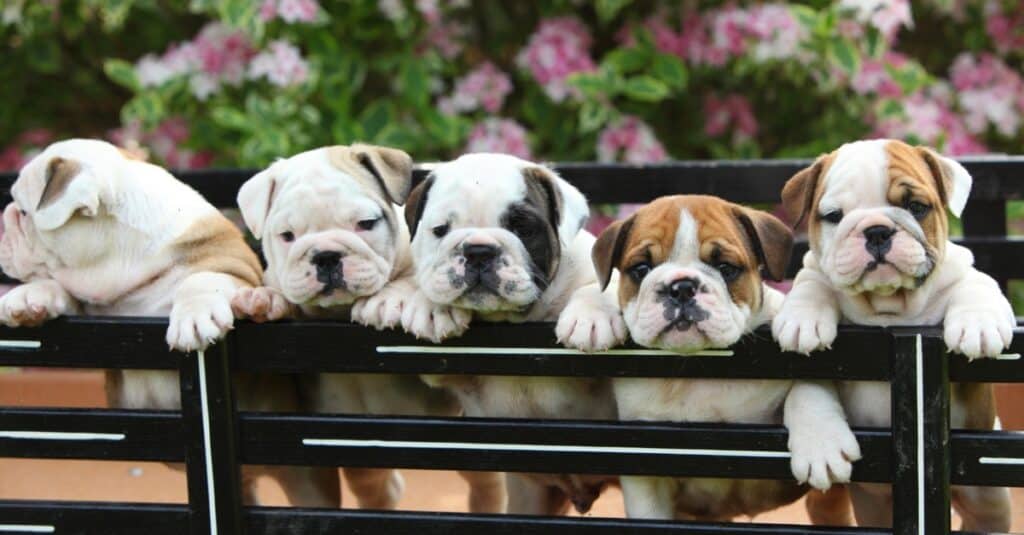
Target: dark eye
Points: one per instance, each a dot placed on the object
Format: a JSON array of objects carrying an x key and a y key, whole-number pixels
[
  {"x": 368, "y": 224},
  {"x": 918, "y": 209},
  {"x": 729, "y": 272},
  {"x": 288, "y": 236},
  {"x": 834, "y": 217},
  {"x": 24, "y": 213},
  {"x": 638, "y": 271},
  {"x": 441, "y": 230}
]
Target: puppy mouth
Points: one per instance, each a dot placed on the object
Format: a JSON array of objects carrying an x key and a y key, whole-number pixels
[
  {"x": 332, "y": 280},
  {"x": 683, "y": 318}
]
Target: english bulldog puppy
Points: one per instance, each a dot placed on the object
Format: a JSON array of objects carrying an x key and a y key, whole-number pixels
[
  {"x": 92, "y": 231},
  {"x": 880, "y": 255},
  {"x": 497, "y": 238},
  {"x": 333, "y": 236},
  {"x": 691, "y": 271}
]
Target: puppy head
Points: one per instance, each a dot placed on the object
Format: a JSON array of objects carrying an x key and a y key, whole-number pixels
[
  {"x": 325, "y": 217},
  {"x": 489, "y": 229},
  {"x": 691, "y": 270},
  {"x": 876, "y": 213}
]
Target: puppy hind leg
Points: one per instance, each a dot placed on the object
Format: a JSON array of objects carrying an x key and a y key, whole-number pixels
[
  {"x": 651, "y": 498},
  {"x": 375, "y": 488},
  {"x": 831, "y": 507},
  {"x": 487, "y": 492},
  {"x": 983, "y": 509},
  {"x": 527, "y": 496},
  {"x": 872, "y": 504},
  {"x": 309, "y": 486}
]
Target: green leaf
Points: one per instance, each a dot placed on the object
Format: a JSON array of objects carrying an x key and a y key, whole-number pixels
[
  {"x": 645, "y": 88},
  {"x": 890, "y": 108},
  {"x": 910, "y": 77},
  {"x": 147, "y": 108},
  {"x": 626, "y": 60},
  {"x": 607, "y": 9},
  {"x": 670, "y": 69},
  {"x": 375, "y": 117},
  {"x": 844, "y": 53},
  {"x": 590, "y": 84},
  {"x": 399, "y": 137},
  {"x": 805, "y": 15},
  {"x": 122, "y": 73},
  {"x": 415, "y": 83},
  {"x": 43, "y": 55},
  {"x": 230, "y": 118},
  {"x": 875, "y": 44},
  {"x": 593, "y": 115}
]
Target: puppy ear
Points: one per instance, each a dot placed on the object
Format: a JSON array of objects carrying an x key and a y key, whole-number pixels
[
  {"x": 798, "y": 193},
  {"x": 607, "y": 251},
  {"x": 952, "y": 180},
  {"x": 255, "y": 198},
  {"x": 567, "y": 207},
  {"x": 391, "y": 167},
  {"x": 769, "y": 239},
  {"x": 67, "y": 191},
  {"x": 415, "y": 203}
]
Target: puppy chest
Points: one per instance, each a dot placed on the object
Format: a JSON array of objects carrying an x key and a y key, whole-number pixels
[
  {"x": 540, "y": 397},
  {"x": 680, "y": 400}
]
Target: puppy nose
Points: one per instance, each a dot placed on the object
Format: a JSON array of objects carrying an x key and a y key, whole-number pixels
[
  {"x": 878, "y": 234},
  {"x": 326, "y": 259},
  {"x": 479, "y": 256},
  {"x": 682, "y": 290}
]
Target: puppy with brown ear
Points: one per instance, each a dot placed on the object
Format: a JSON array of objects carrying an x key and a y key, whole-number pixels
[
  {"x": 333, "y": 237},
  {"x": 93, "y": 231},
  {"x": 880, "y": 255},
  {"x": 691, "y": 277}
]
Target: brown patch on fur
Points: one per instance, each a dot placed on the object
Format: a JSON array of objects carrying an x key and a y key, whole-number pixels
[
  {"x": 979, "y": 402},
  {"x": 802, "y": 192},
  {"x": 831, "y": 507},
  {"x": 134, "y": 153},
  {"x": 112, "y": 385},
  {"x": 542, "y": 192},
  {"x": 381, "y": 169},
  {"x": 215, "y": 244},
  {"x": 59, "y": 174},
  {"x": 912, "y": 179},
  {"x": 415, "y": 203}
]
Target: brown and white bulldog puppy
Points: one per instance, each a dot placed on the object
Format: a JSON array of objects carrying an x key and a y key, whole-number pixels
[
  {"x": 333, "y": 236},
  {"x": 92, "y": 231},
  {"x": 880, "y": 255},
  {"x": 691, "y": 276},
  {"x": 497, "y": 238}
]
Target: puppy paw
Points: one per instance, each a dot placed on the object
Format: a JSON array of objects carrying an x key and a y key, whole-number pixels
[
  {"x": 978, "y": 331},
  {"x": 425, "y": 319},
  {"x": 198, "y": 321},
  {"x": 591, "y": 322},
  {"x": 803, "y": 330},
  {"x": 260, "y": 304},
  {"x": 823, "y": 454},
  {"x": 31, "y": 304},
  {"x": 383, "y": 310}
]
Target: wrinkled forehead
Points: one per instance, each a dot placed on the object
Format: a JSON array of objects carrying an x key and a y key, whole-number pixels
[
  {"x": 685, "y": 230},
  {"x": 323, "y": 197},
  {"x": 858, "y": 175},
  {"x": 474, "y": 196}
]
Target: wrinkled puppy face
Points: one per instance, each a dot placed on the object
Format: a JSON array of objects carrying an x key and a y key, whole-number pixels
[
  {"x": 876, "y": 213},
  {"x": 488, "y": 231},
  {"x": 325, "y": 217},
  {"x": 691, "y": 270}
]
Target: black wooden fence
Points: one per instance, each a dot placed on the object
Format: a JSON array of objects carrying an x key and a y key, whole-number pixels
[{"x": 920, "y": 456}]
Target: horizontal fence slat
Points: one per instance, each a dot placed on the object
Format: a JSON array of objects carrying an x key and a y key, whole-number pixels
[
  {"x": 987, "y": 458},
  {"x": 94, "y": 518},
  {"x": 90, "y": 342}
]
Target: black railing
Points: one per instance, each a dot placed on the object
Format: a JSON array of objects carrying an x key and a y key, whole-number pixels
[{"x": 213, "y": 439}]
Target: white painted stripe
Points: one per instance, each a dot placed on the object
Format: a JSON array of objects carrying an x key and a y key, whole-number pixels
[
  {"x": 1009, "y": 356},
  {"x": 207, "y": 450},
  {"x": 20, "y": 344},
  {"x": 60, "y": 435},
  {"x": 919, "y": 362},
  {"x": 1001, "y": 460},
  {"x": 26, "y": 528},
  {"x": 558, "y": 448},
  {"x": 471, "y": 350}
]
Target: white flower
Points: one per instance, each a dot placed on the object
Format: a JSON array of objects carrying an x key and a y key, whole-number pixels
[{"x": 280, "y": 63}]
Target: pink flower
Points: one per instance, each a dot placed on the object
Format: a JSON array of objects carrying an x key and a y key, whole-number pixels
[
  {"x": 928, "y": 118},
  {"x": 630, "y": 140},
  {"x": 281, "y": 64},
  {"x": 165, "y": 143},
  {"x": 559, "y": 48},
  {"x": 290, "y": 11},
  {"x": 731, "y": 111},
  {"x": 888, "y": 16},
  {"x": 218, "y": 55},
  {"x": 874, "y": 78},
  {"x": 499, "y": 135},
  {"x": 1005, "y": 29},
  {"x": 485, "y": 87},
  {"x": 24, "y": 147},
  {"x": 989, "y": 93},
  {"x": 443, "y": 38}
]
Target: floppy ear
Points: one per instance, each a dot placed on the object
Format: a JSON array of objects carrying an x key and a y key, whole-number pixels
[
  {"x": 607, "y": 251},
  {"x": 952, "y": 180},
  {"x": 391, "y": 167},
  {"x": 68, "y": 191},
  {"x": 798, "y": 193},
  {"x": 568, "y": 209},
  {"x": 256, "y": 196},
  {"x": 770, "y": 239},
  {"x": 415, "y": 203}
]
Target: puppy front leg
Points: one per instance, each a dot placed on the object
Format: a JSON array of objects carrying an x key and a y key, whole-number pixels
[
  {"x": 591, "y": 320},
  {"x": 261, "y": 304},
  {"x": 979, "y": 321},
  {"x": 647, "y": 497},
  {"x": 821, "y": 444},
  {"x": 809, "y": 314},
  {"x": 32, "y": 303},
  {"x": 383, "y": 310},
  {"x": 428, "y": 320},
  {"x": 201, "y": 311}
]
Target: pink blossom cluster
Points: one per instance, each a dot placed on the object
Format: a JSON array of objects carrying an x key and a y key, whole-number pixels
[
  {"x": 290, "y": 11},
  {"x": 989, "y": 92},
  {"x": 630, "y": 140},
  {"x": 165, "y": 142},
  {"x": 443, "y": 35},
  {"x": 558, "y": 48},
  {"x": 484, "y": 87},
  {"x": 495, "y": 134},
  {"x": 729, "y": 113},
  {"x": 1005, "y": 27},
  {"x": 874, "y": 78},
  {"x": 887, "y": 16},
  {"x": 28, "y": 143},
  {"x": 929, "y": 118},
  {"x": 280, "y": 63},
  {"x": 217, "y": 56}
]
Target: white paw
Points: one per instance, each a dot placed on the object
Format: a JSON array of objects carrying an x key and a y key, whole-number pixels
[
  {"x": 425, "y": 319},
  {"x": 803, "y": 330},
  {"x": 823, "y": 454},
  {"x": 978, "y": 331},
  {"x": 590, "y": 322},
  {"x": 260, "y": 304},
  {"x": 31, "y": 304},
  {"x": 383, "y": 310},
  {"x": 198, "y": 321}
]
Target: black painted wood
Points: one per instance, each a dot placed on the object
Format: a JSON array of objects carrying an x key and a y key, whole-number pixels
[
  {"x": 907, "y": 490},
  {"x": 96, "y": 518}
]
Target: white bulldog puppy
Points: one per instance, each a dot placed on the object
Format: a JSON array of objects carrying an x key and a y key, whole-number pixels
[
  {"x": 880, "y": 255},
  {"x": 691, "y": 276},
  {"x": 92, "y": 231},
  {"x": 498, "y": 238},
  {"x": 333, "y": 237}
]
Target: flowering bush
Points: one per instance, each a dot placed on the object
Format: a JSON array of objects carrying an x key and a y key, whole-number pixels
[{"x": 240, "y": 82}]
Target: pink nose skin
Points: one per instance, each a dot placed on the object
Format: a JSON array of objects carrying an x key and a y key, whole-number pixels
[
  {"x": 480, "y": 239},
  {"x": 682, "y": 273}
]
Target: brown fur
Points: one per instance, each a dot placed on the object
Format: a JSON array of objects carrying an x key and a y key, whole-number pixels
[
  {"x": 215, "y": 244},
  {"x": 382, "y": 169},
  {"x": 59, "y": 174},
  {"x": 911, "y": 179}
]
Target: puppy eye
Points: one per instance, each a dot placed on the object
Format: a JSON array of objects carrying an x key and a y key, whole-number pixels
[
  {"x": 834, "y": 217},
  {"x": 288, "y": 236},
  {"x": 729, "y": 272},
  {"x": 23, "y": 213},
  {"x": 918, "y": 209},
  {"x": 638, "y": 271},
  {"x": 367, "y": 224},
  {"x": 441, "y": 230}
]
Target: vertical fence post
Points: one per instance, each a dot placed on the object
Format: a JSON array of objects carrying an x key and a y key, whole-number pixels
[
  {"x": 214, "y": 475},
  {"x": 920, "y": 435}
]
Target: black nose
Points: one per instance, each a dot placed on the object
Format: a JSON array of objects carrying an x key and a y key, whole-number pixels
[
  {"x": 325, "y": 260},
  {"x": 682, "y": 290},
  {"x": 878, "y": 235},
  {"x": 479, "y": 256}
]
